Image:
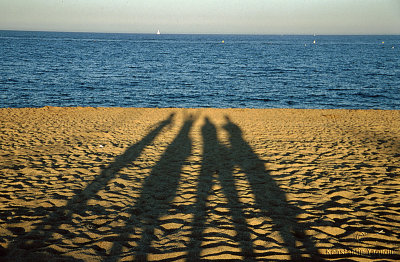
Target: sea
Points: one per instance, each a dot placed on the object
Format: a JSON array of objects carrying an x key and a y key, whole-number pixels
[{"x": 194, "y": 71}]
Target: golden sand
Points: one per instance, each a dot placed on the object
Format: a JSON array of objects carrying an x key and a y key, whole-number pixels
[{"x": 123, "y": 184}]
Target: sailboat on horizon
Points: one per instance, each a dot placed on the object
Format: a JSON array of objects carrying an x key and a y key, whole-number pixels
[{"x": 158, "y": 32}]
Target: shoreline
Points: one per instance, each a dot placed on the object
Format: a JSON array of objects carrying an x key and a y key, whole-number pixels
[
  {"x": 92, "y": 183},
  {"x": 178, "y": 108}
]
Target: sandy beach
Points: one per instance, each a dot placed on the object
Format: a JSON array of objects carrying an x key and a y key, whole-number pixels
[{"x": 123, "y": 184}]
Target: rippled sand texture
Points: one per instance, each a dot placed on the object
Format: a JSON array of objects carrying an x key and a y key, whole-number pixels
[{"x": 112, "y": 184}]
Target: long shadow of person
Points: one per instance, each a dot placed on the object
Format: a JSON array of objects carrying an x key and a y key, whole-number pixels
[
  {"x": 269, "y": 198},
  {"x": 215, "y": 162},
  {"x": 158, "y": 191},
  {"x": 41, "y": 235}
]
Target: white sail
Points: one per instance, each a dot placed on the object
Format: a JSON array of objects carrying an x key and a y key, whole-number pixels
[{"x": 158, "y": 32}]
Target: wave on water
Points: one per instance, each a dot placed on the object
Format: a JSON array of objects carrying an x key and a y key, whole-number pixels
[{"x": 139, "y": 70}]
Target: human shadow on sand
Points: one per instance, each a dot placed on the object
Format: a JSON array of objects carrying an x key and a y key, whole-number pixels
[
  {"x": 158, "y": 191},
  {"x": 160, "y": 188},
  {"x": 41, "y": 236},
  {"x": 269, "y": 198},
  {"x": 216, "y": 161}
]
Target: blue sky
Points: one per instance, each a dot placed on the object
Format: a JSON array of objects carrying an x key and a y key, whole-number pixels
[{"x": 204, "y": 16}]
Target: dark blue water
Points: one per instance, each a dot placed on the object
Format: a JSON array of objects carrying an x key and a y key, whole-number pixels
[{"x": 136, "y": 70}]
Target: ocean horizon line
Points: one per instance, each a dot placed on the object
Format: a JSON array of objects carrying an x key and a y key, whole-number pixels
[{"x": 174, "y": 33}]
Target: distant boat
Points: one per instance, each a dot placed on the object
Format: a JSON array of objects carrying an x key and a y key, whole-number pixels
[
  {"x": 314, "y": 42},
  {"x": 158, "y": 32}
]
